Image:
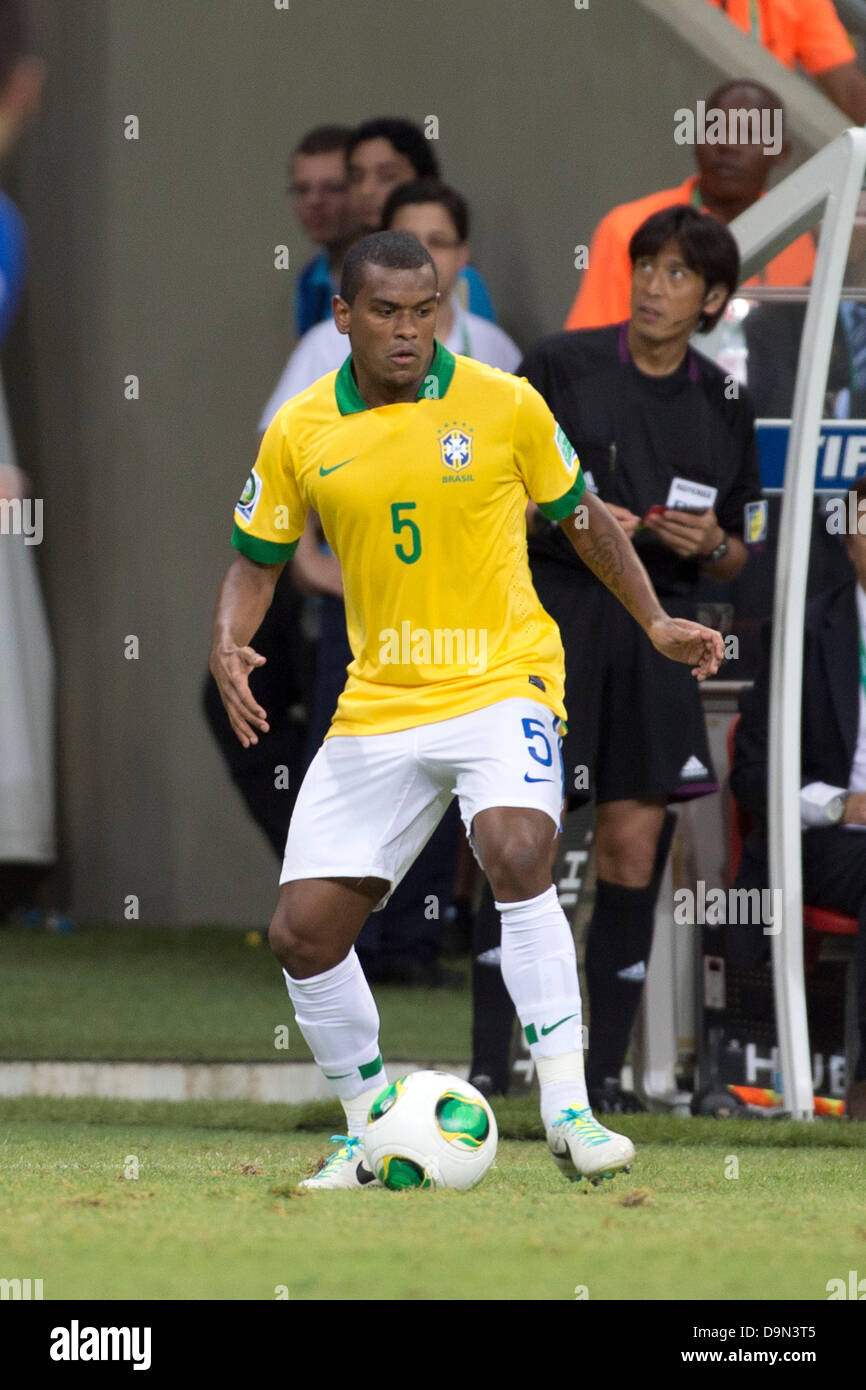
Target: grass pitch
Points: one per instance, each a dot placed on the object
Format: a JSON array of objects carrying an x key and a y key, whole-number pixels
[{"x": 213, "y": 1213}]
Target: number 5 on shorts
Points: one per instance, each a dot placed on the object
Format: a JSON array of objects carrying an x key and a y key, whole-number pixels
[{"x": 532, "y": 729}]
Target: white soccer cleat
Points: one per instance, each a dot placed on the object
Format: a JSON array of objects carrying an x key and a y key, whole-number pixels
[
  {"x": 582, "y": 1148},
  {"x": 344, "y": 1168}
]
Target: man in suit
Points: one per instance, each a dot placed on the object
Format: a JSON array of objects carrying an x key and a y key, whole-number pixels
[{"x": 833, "y": 764}]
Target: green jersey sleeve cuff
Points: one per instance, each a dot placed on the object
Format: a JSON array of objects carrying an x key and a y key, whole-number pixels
[
  {"x": 264, "y": 552},
  {"x": 564, "y": 506}
]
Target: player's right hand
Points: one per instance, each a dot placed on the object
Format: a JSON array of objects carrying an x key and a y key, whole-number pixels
[
  {"x": 680, "y": 639},
  {"x": 230, "y": 668}
]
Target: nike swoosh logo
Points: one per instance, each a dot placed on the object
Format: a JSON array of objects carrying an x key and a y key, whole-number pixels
[
  {"x": 323, "y": 472},
  {"x": 527, "y": 778},
  {"x": 545, "y": 1031},
  {"x": 341, "y": 1077}
]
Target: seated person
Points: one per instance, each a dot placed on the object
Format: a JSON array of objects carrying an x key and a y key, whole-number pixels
[{"x": 833, "y": 774}]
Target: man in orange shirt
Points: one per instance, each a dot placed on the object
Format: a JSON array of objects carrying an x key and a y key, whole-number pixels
[
  {"x": 808, "y": 32},
  {"x": 731, "y": 177}
]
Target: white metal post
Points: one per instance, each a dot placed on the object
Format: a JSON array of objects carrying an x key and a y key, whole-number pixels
[{"x": 832, "y": 179}]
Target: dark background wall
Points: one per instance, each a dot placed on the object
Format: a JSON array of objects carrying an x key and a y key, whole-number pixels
[{"x": 156, "y": 257}]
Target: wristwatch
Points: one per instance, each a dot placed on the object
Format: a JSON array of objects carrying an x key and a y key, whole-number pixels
[
  {"x": 836, "y": 808},
  {"x": 719, "y": 553}
]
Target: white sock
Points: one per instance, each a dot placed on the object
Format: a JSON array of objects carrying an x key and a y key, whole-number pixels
[
  {"x": 338, "y": 1017},
  {"x": 562, "y": 1085},
  {"x": 358, "y": 1108},
  {"x": 539, "y": 968}
]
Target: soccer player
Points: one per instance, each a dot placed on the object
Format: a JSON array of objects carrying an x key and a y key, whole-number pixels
[
  {"x": 419, "y": 464},
  {"x": 403, "y": 942}
]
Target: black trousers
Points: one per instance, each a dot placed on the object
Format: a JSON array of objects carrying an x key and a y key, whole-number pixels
[
  {"x": 281, "y": 686},
  {"x": 834, "y": 876}
]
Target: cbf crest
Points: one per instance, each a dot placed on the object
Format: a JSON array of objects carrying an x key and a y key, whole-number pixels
[{"x": 455, "y": 446}]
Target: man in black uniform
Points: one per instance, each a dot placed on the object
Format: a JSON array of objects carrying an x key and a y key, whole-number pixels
[{"x": 658, "y": 428}]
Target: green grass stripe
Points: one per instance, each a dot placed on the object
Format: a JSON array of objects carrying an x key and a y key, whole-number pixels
[
  {"x": 193, "y": 994},
  {"x": 516, "y": 1117}
]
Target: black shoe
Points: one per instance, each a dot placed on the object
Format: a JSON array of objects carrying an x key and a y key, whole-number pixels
[{"x": 611, "y": 1099}]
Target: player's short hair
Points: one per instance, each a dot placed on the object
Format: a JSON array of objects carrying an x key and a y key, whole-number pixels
[
  {"x": 323, "y": 139},
  {"x": 395, "y": 250},
  {"x": 706, "y": 245},
  {"x": 407, "y": 139},
  {"x": 429, "y": 191}
]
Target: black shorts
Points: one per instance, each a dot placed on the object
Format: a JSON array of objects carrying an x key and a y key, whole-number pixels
[{"x": 635, "y": 720}]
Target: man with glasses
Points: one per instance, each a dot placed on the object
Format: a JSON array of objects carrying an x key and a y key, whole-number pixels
[{"x": 318, "y": 186}]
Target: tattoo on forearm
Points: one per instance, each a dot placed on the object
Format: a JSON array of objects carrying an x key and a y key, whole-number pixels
[
  {"x": 612, "y": 560},
  {"x": 606, "y": 559}
]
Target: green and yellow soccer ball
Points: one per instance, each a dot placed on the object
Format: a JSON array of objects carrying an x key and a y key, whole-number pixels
[{"x": 430, "y": 1129}]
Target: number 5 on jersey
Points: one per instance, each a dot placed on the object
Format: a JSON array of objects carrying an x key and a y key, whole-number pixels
[{"x": 401, "y": 523}]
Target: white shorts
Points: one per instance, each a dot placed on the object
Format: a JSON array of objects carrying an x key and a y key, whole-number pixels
[{"x": 369, "y": 803}]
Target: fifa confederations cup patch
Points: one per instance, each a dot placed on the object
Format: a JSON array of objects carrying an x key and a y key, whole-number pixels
[
  {"x": 249, "y": 498},
  {"x": 756, "y": 517}
]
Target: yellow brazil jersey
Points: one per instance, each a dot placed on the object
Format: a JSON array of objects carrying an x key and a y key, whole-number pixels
[{"x": 423, "y": 504}]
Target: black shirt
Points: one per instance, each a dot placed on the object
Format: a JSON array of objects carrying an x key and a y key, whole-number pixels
[{"x": 634, "y": 433}]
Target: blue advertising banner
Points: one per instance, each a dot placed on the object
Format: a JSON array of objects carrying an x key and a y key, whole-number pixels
[{"x": 841, "y": 455}]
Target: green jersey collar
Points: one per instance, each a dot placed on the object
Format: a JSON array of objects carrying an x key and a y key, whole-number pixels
[{"x": 433, "y": 387}]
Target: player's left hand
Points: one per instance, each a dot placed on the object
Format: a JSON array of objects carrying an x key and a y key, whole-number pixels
[
  {"x": 695, "y": 645},
  {"x": 687, "y": 534}
]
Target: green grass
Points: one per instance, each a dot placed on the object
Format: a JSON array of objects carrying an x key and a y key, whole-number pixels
[
  {"x": 213, "y": 1213},
  {"x": 198, "y": 994}
]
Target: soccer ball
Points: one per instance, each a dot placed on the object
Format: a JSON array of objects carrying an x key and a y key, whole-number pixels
[{"x": 430, "y": 1129}]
